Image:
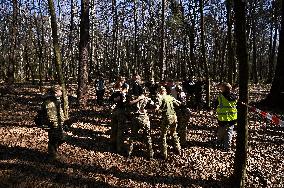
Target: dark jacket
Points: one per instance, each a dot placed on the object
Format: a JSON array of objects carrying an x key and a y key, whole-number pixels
[{"x": 119, "y": 99}]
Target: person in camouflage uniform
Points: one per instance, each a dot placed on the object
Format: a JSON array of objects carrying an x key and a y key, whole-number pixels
[
  {"x": 55, "y": 117},
  {"x": 140, "y": 120},
  {"x": 182, "y": 115},
  {"x": 118, "y": 119},
  {"x": 169, "y": 120}
]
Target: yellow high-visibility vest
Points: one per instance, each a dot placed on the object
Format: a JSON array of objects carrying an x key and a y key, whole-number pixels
[{"x": 226, "y": 110}]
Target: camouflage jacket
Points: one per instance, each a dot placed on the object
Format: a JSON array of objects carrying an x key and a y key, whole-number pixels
[
  {"x": 167, "y": 104},
  {"x": 55, "y": 113}
]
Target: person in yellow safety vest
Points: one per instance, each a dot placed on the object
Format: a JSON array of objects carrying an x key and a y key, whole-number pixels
[{"x": 226, "y": 115}]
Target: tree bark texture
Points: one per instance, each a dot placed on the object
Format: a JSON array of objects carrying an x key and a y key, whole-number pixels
[
  {"x": 242, "y": 127},
  {"x": 203, "y": 52},
  {"x": 12, "y": 58},
  {"x": 58, "y": 63},
  {"x": 83, "y": 54},
  {"x": 276, "y": 96},
  {"x": 230, "y": 51}
]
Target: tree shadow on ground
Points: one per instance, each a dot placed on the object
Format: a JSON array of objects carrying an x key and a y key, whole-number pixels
[
  {"x": 38, "y": 167},
  {"x": 151, "y": 179},
  {"x": 80, "y": 132},
  {"x": 89, "y": 116},
  {"x": 97, "y": 143},
  {"x": 29, "y": 172},
  {"x": 16, "y": 124},
  {"x": 47, "y": 173},
  {"x": 17, "y": 152}
]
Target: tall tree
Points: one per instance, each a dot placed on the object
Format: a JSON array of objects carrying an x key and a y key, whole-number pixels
[
  {"x": 135, "y": 59},
  {"x": 203, "y": 54},
  {"x": 230, "y": 51},
  {"x": 191, "y": 36},
  {"x": 162, "y": 53},
  {"x": 40, "y": 41},
  {"x": 254, "y": 47},
  {"x": 13, "y": 48},
  {"x": 242, "y": 128},
  {"x": 114, "y": 49},
  {"x": 71, "y": 40},
  {"x": 276, "y": 95},
  {"x": 83, "y": 54},
  {"x": 58, "y": 62},
  {"x": 273, "y": 40}
]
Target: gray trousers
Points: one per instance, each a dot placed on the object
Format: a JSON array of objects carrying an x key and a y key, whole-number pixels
[{"x": 225, "y": 135}]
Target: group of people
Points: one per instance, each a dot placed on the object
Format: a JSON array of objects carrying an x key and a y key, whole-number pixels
[
  {"x": 130, "y": 114},
  {"x": 130, "y": 107}
]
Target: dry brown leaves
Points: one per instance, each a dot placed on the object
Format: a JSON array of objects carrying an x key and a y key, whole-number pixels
[{"x": 88, "y": 161}]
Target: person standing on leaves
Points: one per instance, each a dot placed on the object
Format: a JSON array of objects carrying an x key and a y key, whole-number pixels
[
  {"x": 135, "y": 86},
  {"x": 152, "y": 87},
  {"x": 171, "y": 88},
  {"x": 140, "y": 120},
  {"x": 55, "y": 117},
  {"x": 188, "y": 86},
  {"x": 118, "y": 120},
  {"x": 198, "y": 93},
  {"x": 169, "y": 120},
  {"x": 100, "y": 89},
  {"x": 182, "y": 115},
  {"x": 227, "y": 116}
]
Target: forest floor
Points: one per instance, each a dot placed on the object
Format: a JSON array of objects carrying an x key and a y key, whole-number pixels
[{"x": 88, "y": 161}]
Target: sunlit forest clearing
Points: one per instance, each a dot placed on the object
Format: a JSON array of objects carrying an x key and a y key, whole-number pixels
[{"x": 87, "y": 48}]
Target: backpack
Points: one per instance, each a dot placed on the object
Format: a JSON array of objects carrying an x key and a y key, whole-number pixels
[{"x": 41, "y": 119}]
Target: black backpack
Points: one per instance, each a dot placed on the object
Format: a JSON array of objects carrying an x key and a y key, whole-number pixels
[{"x": 41, "y": 119}]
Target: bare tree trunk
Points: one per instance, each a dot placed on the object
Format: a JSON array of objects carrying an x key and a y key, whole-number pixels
[
  {"x": 254, "y": 51},
  {"x": 93, "y": 70},
  {"x": 185, "y": 65},
  {"x": 203, "y": 51},
  {"x": 162, "y": 42},
  {"x": 83, "y": 54},
  {"x": 230, "y": 52},
  {"x": 72, "y": 65},
  {"x": 276, "y": 95},
  {"x": 58, "y": 63},
  {"x": 115, "y": 68},
  {"x": 272, "y": 48},
  {"x": 135, "y": 59},
  {"x": 40, "y": 40},
  {"x": 191, "y": 49},
  {"x": 12, "y": 56},
  {"x": 242, "y": 128}
]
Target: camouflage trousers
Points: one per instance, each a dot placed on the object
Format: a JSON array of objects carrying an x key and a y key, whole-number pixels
[
  {"x": 55, "y": 139},
  {"x": 169, "y": 123},
  {"x": 139, "y": 122},
  {"x": 118, "y": 127},
  {"x": 182, "y": 120}
]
